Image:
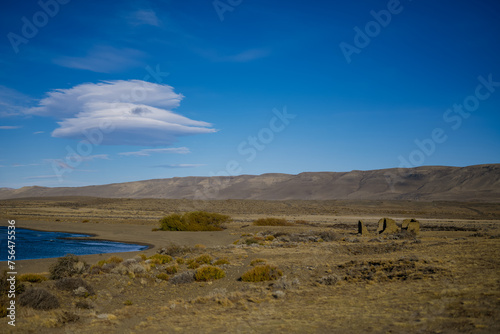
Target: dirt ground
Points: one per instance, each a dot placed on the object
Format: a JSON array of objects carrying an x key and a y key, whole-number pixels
[{"x": 445, "y": 280}]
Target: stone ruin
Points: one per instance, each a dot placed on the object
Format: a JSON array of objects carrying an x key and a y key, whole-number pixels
[
  {"x": 411, "y": 225},
  {"x": 362, "y": 228},
  {"x": 388, "y": 226}
]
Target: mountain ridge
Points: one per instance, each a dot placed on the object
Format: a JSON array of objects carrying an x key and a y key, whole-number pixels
[{"x": 426, "y": 183}]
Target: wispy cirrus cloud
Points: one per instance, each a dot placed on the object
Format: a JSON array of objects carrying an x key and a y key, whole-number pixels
[
  {"x": 10, "y": 127},
  {"x": 139, "y": 113},
  {"x": 12, "y": 102},
  {"x": 41, "y": 177},
  {"x": 143, "y": 17},
  {"x": 63, "y": 165},
  {"x": 241, "y": 57},
  {"x": 104, "y": 59},
  {"x": 178, "y": 166},
  {"x": 147, "y": 152}
]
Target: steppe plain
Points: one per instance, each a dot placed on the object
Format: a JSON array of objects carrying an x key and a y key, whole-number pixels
[{"x": 445, "y": 280}]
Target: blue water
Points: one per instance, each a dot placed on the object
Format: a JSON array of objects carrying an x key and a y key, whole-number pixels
[{"x": 40, "y": 245}]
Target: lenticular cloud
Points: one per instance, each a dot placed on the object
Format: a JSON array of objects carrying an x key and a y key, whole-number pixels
[{"x": 133, "y": 112}]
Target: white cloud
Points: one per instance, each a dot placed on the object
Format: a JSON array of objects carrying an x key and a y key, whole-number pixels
[
  {"x": 130, "y": 112},
  {"x": 64, "y": 165},
  {"x": 179, "y": 166},
  {"x": 38, "y": 132},
  {"x": 147, "y": 152},
  {"x": 10, "y": 127},
  {"x": 147, "y": 17},
  {"x": 104, "y": 59}
]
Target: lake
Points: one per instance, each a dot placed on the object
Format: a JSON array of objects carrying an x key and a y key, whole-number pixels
[{"x": 32, "y": 244}]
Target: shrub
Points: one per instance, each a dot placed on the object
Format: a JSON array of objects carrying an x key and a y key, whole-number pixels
[
  {"x": 39, "y": 299},
  {"x": 163, "y": 276},
  {"x": 142, "y": 256},
  {"x": 270, "y": 238},
  {"x": 180, "y": 260},
  {"x": 194, "y": 221},
  {"x": 271, "y": 222},
  {"x": 208, "y": 273},
  {"x": 329, "y": 236},
  {"x": 221, "y": 262},
  {"x": 33, "y": 278},
  {"x": 175, "y": 250},
  {"x": 182, "y": 278},
  {"x": 128, "y": 302},
  {"x": 160, "y": 259},
  {"x": 84, "y": 304},
  {"x": 262, "y": 273},
  {"x": 198, "y": 261},
  {"x": 258, "y": 261},
  {"x": 66, "y": 266},
  {"x": 73, "y": 283},
  {"x": 252, "y": 240},
  {"x": 172, "y": 269},
  {"x": 114, "y": 259}
]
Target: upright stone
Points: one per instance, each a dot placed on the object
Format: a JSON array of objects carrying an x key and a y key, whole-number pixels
[
  {"x": 387, "y": 226},
  {"x": 362, "y": 228}
]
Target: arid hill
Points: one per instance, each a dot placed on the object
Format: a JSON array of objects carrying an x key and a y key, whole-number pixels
[{"x": 429, "y": 183}]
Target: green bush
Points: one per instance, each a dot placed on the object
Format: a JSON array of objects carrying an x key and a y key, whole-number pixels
[
  {"x": 172, "y": 269},
  {"x": 208, "y": 273},
  {"x": 194, "y": 221},
  {"x": 163, "y": 276},
  {"x": 160, "y": 259},
  {"x": 198, "y": 261},
  {"x": 221, "y": 262},
  {"x": 262, "y": 273},
  {"x": 271, "y": 222}
]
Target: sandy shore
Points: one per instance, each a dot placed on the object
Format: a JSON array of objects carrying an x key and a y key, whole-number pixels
[{"x": 137, "y": 234}]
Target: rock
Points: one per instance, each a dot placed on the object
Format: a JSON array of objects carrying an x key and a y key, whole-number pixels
[
  {"x": 81, "y": 292},
  {"x": 278, "y": 294},
  {"x": 387, "y": 226},
  {"x": 362, "y": 228},
  {"x": 411, "y": 225}
]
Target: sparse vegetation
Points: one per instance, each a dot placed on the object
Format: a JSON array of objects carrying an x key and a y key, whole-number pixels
[
  {"x": 194, "y": 221},
  {"x": 258, "y": 261},
  {"x": 208, "y": 273},
  {"x": 172, "y": 269},
  {"x": 163, "y": 276},
  {"x": 183, "y": 278},
  {"x": 39, "y": 299},
  {"x": 221, "y": 262},
  {"x": 32, "y": 278},
  {"x": 262, "y": 273},
  {"x": 160, "y": 259},
  {"x": 73, "y": 283},
  {"x": 66, "y": 266},
  {"x": 271, "y": 222},
  {"x": 198, "y": 261},
  {"x": 175, "y": 250},
  {"x": 128, "y": 302}
]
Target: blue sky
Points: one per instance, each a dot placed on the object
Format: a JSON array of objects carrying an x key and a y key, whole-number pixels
[{"x": 96, "y": 92}]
